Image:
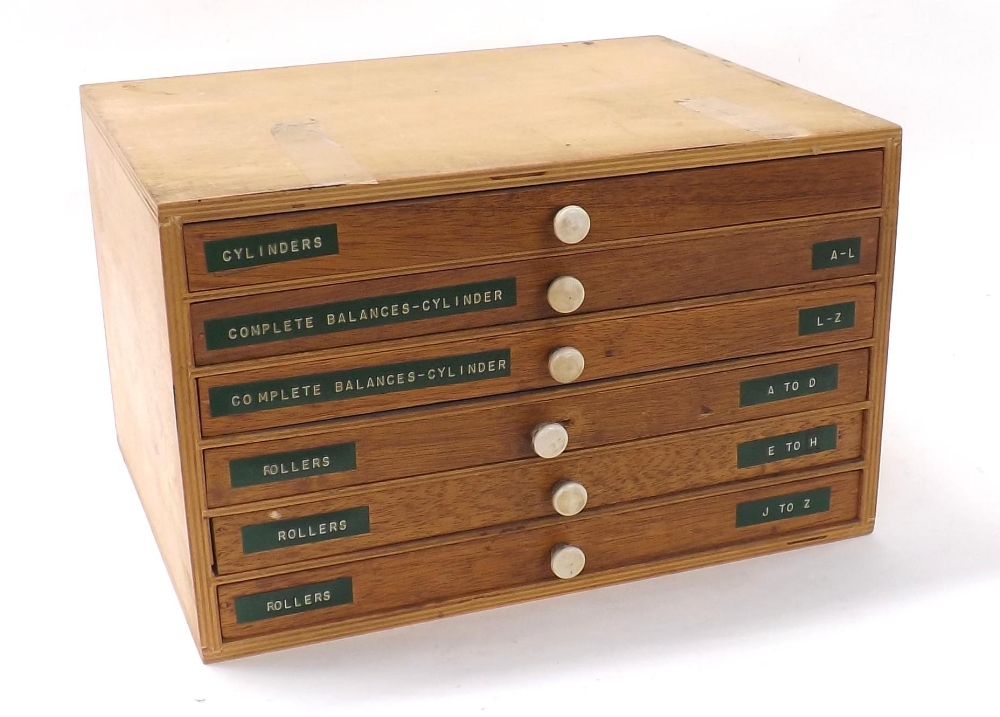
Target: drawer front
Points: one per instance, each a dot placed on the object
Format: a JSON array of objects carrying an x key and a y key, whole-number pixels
[
  {"x": 433, "y": 440},
  {"x": 478, "y": 227},
  {"x": 427, "y": 576},
  {"x": 511, "y": 492},
  {"x": 517, "y": 291},
  {"x": 519, "y": 360}
]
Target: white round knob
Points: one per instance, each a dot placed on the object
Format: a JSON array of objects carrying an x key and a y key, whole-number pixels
[
  {"x": 571, "y": 224},
  {"x": 549, "y": 439},
  {"x": 566, "y": 364},
  {"x": 568, "y": 497},
  {"x": 566, "y": 561},
  {"x": 565, "y": 294}
]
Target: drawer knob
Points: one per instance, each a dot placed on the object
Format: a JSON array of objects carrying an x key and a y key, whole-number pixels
[
  {"x": 566, "y": 364},
  {"x": 566, "y": 294},
  {"x": 571, "y": 224},
  {"x": 568, "y": 497},
  {"x": 566, "y": 561},
  {"x": 549, "y": 439}
]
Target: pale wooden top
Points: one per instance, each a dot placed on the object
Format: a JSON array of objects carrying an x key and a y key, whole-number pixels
[{"x": 379, "y": 125}]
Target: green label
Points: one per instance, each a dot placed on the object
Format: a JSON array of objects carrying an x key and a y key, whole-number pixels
[
  {"x": 783, "y": 506},
  {"x": 839, "y": 252},
  {"x": 358, "y": 382},
  {"x": 359, "y": 314},
  {"x": 790, "y": 445},
  {"x": 241, "y": 252},
  {"x": 789, "y": 385},
  {"x": 302, "y": 598},
  {"x": 299, "y": 531},
  {"x": 826, "y": 318},
  {"x": 276, "y": 467}
]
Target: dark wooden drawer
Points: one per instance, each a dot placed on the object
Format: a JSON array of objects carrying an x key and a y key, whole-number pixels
[
  {"x": 425, "y": 507},
  {"x": 519, "y": 359},
  {"x": 609, "y": 541},
  {"x": 404, "y": 236},
  {"x": 502, "y": 293},
  {"x": 496, "y": 430}
]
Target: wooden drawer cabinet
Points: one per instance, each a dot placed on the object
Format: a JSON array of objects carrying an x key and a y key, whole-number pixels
[{"x": 627, "y": 325}]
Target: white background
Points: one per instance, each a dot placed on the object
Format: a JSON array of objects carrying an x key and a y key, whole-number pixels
[{"x": 906, "y": 619}]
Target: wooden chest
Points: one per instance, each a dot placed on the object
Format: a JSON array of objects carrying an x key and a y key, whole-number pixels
[{"x": 398, "y": 339}]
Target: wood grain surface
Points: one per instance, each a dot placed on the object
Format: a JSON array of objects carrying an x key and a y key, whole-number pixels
[
  {"x": 139, "y": 359},
  {"x": 880, "y": 354},
  {"x": 512, "y": 492},
  {"x": 487, "y": 226},
  {"x": 521, "y": 557},
  {"x": 368, "y": 128},
  {"x": 497, "y": 430},
  {"x": 655, "y": 271},
  {"x": 611, "y": 347}
]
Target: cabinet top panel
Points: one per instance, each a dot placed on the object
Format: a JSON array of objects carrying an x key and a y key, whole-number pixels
[{"x": 379, "y": 129}]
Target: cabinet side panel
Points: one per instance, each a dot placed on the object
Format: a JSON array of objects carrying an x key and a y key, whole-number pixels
[
  {"x": 883, "y": 301},
  {"x": 135, "y": 325}
]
